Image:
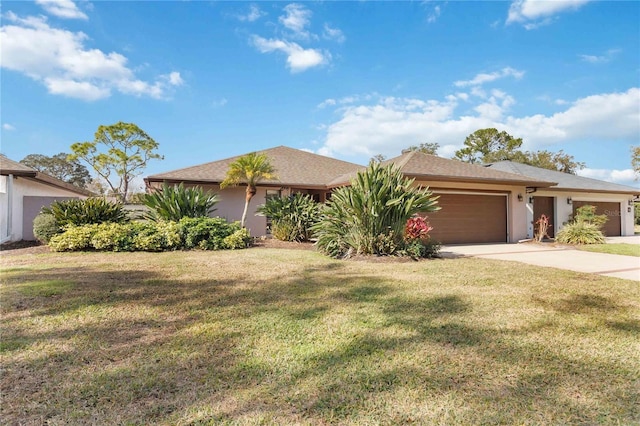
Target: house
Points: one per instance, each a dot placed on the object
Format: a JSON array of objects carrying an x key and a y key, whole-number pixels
[
  {"x": 23, "y": 193},
  {"x": 479, "y": 204},
  {"x": 559, "y": 202},
  {"x": 297, "y": 171}
]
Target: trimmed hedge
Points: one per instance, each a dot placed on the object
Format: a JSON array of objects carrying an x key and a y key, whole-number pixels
[
  {"x": 45, "y": 226},
  {"x": 189, "y": 233}
]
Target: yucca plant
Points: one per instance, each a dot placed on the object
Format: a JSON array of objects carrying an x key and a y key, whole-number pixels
[
  {"x": 374, "y": 209},
  {"x": 291, "y": 217},
  {"x": 85, "y": 212},
  {"x": 175, "y": 202},
  {"x": 580, "y": 233}
]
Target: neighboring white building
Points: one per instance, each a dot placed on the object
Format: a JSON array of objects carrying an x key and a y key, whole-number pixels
[
  {"x": 23, "y": 193},
  {"x": 559, "y": 202}
]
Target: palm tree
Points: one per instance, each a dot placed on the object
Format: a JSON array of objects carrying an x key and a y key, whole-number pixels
[{"x": 249, "y": 169}]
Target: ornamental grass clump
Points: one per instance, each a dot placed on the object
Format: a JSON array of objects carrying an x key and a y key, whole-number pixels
[
  {"x": 369, "y": 217},
  {"x": 584, "y": 229}
]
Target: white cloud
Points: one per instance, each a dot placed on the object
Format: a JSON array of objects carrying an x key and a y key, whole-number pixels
[
  {"x": 535, "y": 13},
  {"x": 62, "y": 9},
  {"x": 387, "y": 125},
  {"x": 218, "y": 103},
  {"x": 253, "y": 15},
  {"x": 483, "y": 78},
  {"x": 298, "y": 59},
  {"x": 59, "y": 59},
  {"x": 434, "y": 15},
  {"x": 597, "y": 59},
  {"x": 296, "y": 19},
  {"x": 623, "y": 177},
  {"x": 7, "y": 126},
  {"x": 333, "y": 34}
]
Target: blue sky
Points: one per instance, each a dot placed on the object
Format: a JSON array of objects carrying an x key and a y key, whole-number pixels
[{"x": 209, "y": 80}]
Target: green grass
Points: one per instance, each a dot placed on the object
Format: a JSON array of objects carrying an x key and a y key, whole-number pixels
[
  {"x": 617, "y": 248},
  {"x": 266, "y": 336}
]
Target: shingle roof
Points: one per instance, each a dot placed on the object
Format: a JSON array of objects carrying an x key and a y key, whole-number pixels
[
  {"x": 430, "y": 167},
  {"x": 565, "y": 181},
  {"x": 10, "y": 167},
  {"x": 293, "y": 167}
]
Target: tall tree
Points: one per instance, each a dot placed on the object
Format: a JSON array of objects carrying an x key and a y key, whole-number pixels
[
  {"x": 635, "y": 160},
  {"x": 118, "y": 154},
  {"x": 558, "y": 161},
  {"x": 249, "y": 169},
  {"x": 488, "y": 145},
  {"x": 426, "y": 148},
  {"x": 59, "y": 167}
]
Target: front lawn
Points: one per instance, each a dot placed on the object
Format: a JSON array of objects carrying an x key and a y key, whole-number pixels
[
  {"x": 617, "y": 248},
  {"x": 268, "y": 336}
]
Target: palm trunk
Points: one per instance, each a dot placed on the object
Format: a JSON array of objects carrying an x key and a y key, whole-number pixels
[{"x": 251, "y": 191}]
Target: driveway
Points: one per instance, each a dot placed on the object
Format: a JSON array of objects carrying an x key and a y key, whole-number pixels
[{"x": 610, "y": 265}]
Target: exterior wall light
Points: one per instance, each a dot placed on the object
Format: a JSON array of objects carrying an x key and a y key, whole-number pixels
[
  {"x": 630, "y": 202},
  {"x": 569, "y": 200},
  {"x": 530, "y": 200},
  {"x": 520, "y": 197}
]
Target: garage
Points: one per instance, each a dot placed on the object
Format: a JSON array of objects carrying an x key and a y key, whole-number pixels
[
  {"x": 612, "y": 228},
  {"x": 470, "y": 218}
]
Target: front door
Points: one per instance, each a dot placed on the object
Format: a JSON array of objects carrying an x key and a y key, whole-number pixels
[{"x": 544, "y": 206}]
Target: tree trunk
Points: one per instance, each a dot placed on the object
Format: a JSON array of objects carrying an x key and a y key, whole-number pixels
[{"x": 251, "y": 191}]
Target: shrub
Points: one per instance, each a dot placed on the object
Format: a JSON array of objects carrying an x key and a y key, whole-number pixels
[
  {"x": 206, "y": 233},
  {"x": 291, "y": 217},
  {"x": 176, "y": 202},
  {"x": 580, "y": 233},
  {"x": 240, "y": 239},
  {"x": 636, "y": 213},
  {"x": 418, "y": 242},
  {"x": 114, "y": 237},
  {"x": 74, "y": 238},
  {"x": 542, "y": 228},
  {"x": 84, "y": 212},
  {"x": 378, "y": 203},
  {"x": 45, "y": 226},
  {"x": 587, "y": 214}
]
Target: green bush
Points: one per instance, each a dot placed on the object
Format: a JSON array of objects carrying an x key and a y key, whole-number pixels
[
  {"x": 636, "y": 213},
  {"x": 240, "y": 239},
  {"x": 45, "y": 226},
  {"x": 369, "y": 216},
  {"x": 176, "y": 202},
  {"x": 587, "y": 214},
  {"x": 580, "y": 233},
  {"x": 206, "y": 233},
  {"x": 421, "y": 249},
  {"x": 114, "y": 237},
  {"x": 74, "y": 238},
  {"x": 199, "y": 233},
  {"x": 85, "y": 212},
  {"x": 291, "y": 217},
  {"x": 158, "y": 236}
]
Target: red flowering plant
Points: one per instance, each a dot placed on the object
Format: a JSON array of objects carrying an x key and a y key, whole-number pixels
[
  {"x": 418, "y": 242},
  {"x": 417, "y": 228}
]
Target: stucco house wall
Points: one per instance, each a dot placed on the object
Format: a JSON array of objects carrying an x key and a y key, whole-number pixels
[
  {"x": 564, "y": 210},
  {"x": 23, "y": 187}
]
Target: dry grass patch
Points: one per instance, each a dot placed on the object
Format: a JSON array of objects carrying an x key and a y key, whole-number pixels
[{"x": 269, "y": 336}]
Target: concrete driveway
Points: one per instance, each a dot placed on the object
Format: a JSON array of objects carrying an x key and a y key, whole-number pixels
[{"x": 611, "y": 265}]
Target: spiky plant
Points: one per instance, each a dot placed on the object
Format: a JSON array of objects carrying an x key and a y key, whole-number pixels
[
  {"x": 369, "y": 216},
  {"x": 85, "y": 212},
  {"x": 175, "y": 202},
  {"x": 249, "y": 169},
  {"x": 291, "y": 217}
]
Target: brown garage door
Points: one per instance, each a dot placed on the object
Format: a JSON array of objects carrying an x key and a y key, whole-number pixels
[
  {"x": 470, "y": 218},
  {"x": 611, "y": 210}
]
